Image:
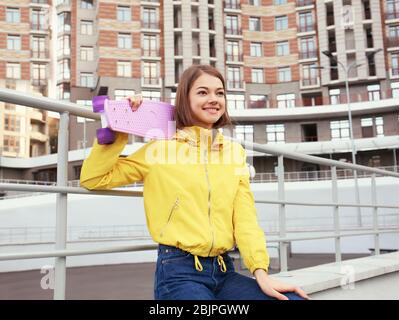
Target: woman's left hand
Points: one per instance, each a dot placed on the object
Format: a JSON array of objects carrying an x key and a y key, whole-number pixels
[{"x": 274, "y": 288}]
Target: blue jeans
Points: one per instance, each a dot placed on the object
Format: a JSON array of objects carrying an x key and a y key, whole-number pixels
[{"x": 177, "y": 279}]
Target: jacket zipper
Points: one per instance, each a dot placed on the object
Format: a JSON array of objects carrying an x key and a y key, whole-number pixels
[
  {"x": 170, "y": 215},
  {"x": 209, "y": 201}
]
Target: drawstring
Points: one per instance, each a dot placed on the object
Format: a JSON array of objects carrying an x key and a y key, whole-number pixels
[
  {"x": 221, "y": 264},
  {"x": 198, "y": 265}
]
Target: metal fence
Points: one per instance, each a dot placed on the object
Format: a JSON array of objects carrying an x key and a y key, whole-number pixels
[{"x": 62, "y": 190}]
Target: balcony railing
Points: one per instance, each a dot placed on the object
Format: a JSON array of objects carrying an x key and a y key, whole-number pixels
[
  {"x": 38, "y": 26},
  {"x": 393, "y": 41},
  {"x": 389, "y": 15},
  {"x": 232, "y": 5},
  {"x": 235, "y": 84},
  {"x": 39, "y": 82},
  {"x": 395, "y": 71},
  {"x": 258, "y": 104},
  {"x": 232, "y": 31},
  {"x": 150, "y": 24},
  {"x": 308, "y": 54},
  {"x": 310, "y": 82},
  {"x": 40, "y": 54},
  {"x": 151, "y": 53},
  {"x": 302, "y": 3},
  {"x": 234, "y": 57},
  {"x": 150, "y": 81},
  {"x": 306, "y": 27}
]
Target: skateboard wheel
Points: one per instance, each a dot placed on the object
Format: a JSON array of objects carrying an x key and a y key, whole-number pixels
[
  {"x": 98, "y": 103},
  {"x": 105, "y": 136}
]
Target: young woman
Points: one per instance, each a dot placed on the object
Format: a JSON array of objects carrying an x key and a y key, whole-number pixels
[{"x": 197, "y": 199}]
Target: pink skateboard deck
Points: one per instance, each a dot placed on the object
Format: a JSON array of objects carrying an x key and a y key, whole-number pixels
[{"x": 152, "y": 119}]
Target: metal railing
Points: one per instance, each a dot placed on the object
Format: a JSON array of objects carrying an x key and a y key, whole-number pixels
[{"x": 62, "y": 190}]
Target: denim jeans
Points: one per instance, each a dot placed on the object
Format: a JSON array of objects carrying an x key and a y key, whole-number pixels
[{"x": 176, "y": 278}]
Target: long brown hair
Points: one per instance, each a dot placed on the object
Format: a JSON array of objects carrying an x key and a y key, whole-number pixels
[{"x": 184, "y": 116}]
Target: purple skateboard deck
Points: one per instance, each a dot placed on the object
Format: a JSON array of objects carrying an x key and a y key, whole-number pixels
[{"x": 152, "y": 119}]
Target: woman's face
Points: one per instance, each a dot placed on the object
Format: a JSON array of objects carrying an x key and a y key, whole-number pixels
[{"x": 207, "y": 100}]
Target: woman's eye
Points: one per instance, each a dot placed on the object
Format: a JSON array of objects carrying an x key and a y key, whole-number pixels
[
  {"x": 201, "y": 92},
  {"x": 220, "y": 94}
]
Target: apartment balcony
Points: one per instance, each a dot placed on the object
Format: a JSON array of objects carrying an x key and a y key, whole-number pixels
[
  {"x": 310, "y": 82},
  {"x": 233, "y": 31},
  {"x": 151, "y": 82},
  {"x": 150, "y": 25},
  {"x": 36, "y": 116},
  {"x": 151, "y": 53},
  {"x": 38, "y": 26},
  {"x": 390, "y": 15},
  {"x": 38, "y": 136},
  {"x": 234, "y": 57},
  {"x": 393, "y": 41},
  {"x": 304, "y": 3},
  {"x": 235, "y": 84},
  {"x": 307, "y": 27},
  {"x": 232, "y": 5},
  {"x": 45, "y": 54},
  {"x": 39, "y": 82},
  {"x": 311, "y": 54}
]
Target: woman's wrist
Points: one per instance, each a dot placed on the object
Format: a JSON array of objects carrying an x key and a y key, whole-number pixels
[{"x": 260, "y": 273}]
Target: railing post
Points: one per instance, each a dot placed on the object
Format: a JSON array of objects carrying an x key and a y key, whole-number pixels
[
  {"x": 375, "y": 214},
  {"x": 337, "y": 238},
  {"x": 61, "y": 205},
  {"x": 282, "y": 217}
]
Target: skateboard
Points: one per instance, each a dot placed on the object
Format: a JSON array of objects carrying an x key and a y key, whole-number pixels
[{"x": 152, "y": 119}]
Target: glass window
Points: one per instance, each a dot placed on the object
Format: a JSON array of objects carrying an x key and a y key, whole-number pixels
[
  {"x": 13, "y": 15},
  {"x": 124, "y": 41},
  {"x": 13, "y": 42},
  {"x": 234, "y": 77},
  {"x": 245, "y": 132},
  {"x": 64, "y": 70},
  {"x": 379, "y": 126},
  {"x": 235, "y": 101},
  {"x": 395, "y": 89},
  {"x": 124, "y": 69},
  {"x": 87, "y": 79},
  {"x": 281, "y": 23},
  {"x": 64, "y": 45},
  {"x": 254, "y": 24},
  {"x": 339, "y": 130},
  {"x": 255, "y": 49},
  {"x": 374, "y": 92},
  {"x": 284, "y": 74},
  {"x": 86, "y": 27},
  {"x": 13, "y": 71},
  {"x": 283, "y": 48},
  {"x": 335, "y": 96},
  {"x": 86, "y": 4},
  {"x": 124, "y": 13},
  {"x": 258, "y": 101},
  {"x": 64, "y": 22},
  {"x": 151, "y": 95},
  {"x": 86, "y": 53},
  {"x": 286, "y": 100},
  {"x": 275, "y": 133},
  {"x": 257, "y": 75},
  {"x": 120, "y": 94}
]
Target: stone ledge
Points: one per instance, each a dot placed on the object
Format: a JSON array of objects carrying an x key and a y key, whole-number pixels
[{"x": 337, "y": 274}]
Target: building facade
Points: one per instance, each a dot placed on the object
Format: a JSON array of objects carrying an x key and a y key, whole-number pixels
[{"x": 283, "y": 61}]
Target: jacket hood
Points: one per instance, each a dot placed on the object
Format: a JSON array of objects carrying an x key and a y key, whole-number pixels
[{"x": 196, "y": 136}]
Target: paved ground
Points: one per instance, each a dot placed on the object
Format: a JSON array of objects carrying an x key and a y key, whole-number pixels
[{"x": 125, "y": 281}]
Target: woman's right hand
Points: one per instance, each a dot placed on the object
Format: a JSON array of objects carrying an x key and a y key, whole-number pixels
[{"x": 135, "y": 101}]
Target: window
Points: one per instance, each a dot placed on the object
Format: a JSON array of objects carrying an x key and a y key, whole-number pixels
[
  {"x": 392, "y": 8},
  {"x": 150, "y": 73},
  {"x": 395, "y": 89},
  {"x": 151, "y": 95},
  {"x": 286, "y": 100},
  {"x": 86, "y": 4},
  {"x": 255, "y": 2},
  {"x": 280, "y": 2},
  {"x": 307, "y": 48},
  {"x": 11, "y": 144},
  {"x": 150, "y": 45},
  {"x": 233, "y": 51},
  {"x": 255, "y": 49},
  {"x": 64, "y": 70},
  {"x": 284, "y": 74},
  {"x": 245, "y": 132},
  {"x": 306, "y": 22},
  {"x": 38, "y": 20},
  {"x": 275, "y": 133},
  {"x": 64, "y": 48},
  {"x": 379, "y": 126},
  {"x": 13, "y": 71},
  {"x": 283, "y": 48},
  {"x": 63, "y": 91},
  {"x": 124, "y": 69},
  {"x": 150, "y": 18},
  {"x": 257, "y": 101},
  {"x": 309, "y": 75},
  {"x": 254, "y": 24},
  {"x": 257, "y": 75},
  {"x": 124, "y": 14},
  {"x": 89, "y": 105},
  {"x": 13, "y": 15},
  {"x": 120, "y": 94},
  {"x": 39, "y": 73},
  {"x": 12, "y": 123},
  {"x": 335, "y": 96},
  {"x": 86, "y": 53},
  {"x": 374, "y": 92},
  {"x": 64, "y": 22},
  {"x": 235, "y": 101},
  {"x": 13, "y": 42},
  {"x": 395, "y": 64},
  {"x": 232, "y": 25},
  {"x": 124, "y": 41},
  {"x": 339, "y": 130},
  {"x": 39, "y": 47},
  {"x": 367, "y": 127},
  {"x": 234, "y": 77},
  {"x": 281, "y": 23},
  {"x": 86, "y": 27},
  {"x": 87, "y": 79}
]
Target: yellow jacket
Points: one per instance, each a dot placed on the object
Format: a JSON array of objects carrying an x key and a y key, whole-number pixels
[{"x": 197, "y": 194}]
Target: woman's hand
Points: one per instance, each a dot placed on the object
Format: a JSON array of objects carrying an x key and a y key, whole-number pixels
[
  {"x": 135, "y": 101},
  {"x": 274, "y": 288}
]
